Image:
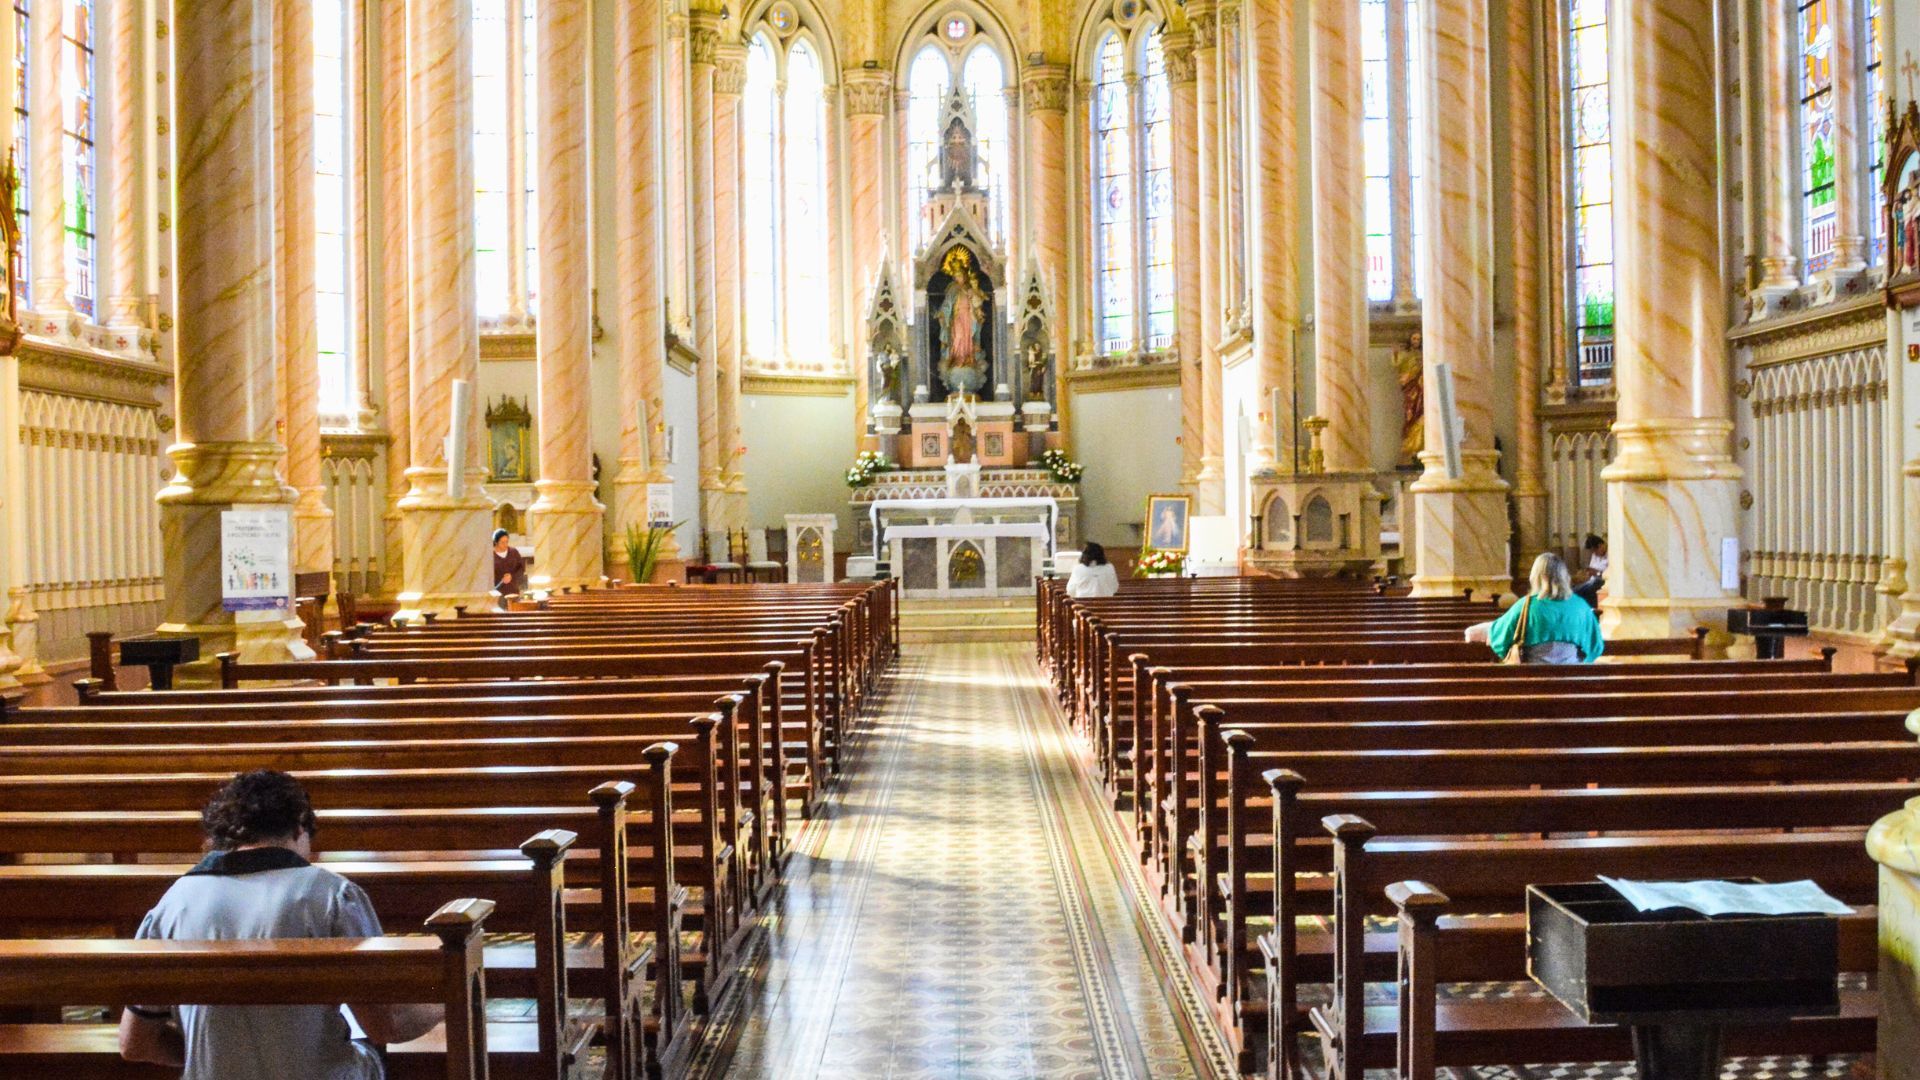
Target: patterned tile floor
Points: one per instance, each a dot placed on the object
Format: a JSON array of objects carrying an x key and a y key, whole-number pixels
[{"x": 957, "y": 913}]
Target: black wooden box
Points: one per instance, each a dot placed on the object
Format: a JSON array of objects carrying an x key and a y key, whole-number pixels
[
  {"x": 151, "y": 649},
  {"x": 1612, "y": 964}
]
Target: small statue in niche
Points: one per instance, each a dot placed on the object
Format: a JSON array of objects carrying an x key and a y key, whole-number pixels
[
  {"x": 962, "y": 443},
  {"x": 888, "y": 364},
  {"x": 1410, "y": 369},
  {"x": 1036, "y": 373}
]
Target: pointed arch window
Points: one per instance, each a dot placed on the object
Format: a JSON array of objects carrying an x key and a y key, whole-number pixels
[
  {"x": 784, "y": 132},
  {"x": 1132, "y": 174},
  {"x": 332, "y": 153},
  {"x": 1876, "y": 127},
  {"x": 504, "y": 133},
  {"x": 1819, "y": 209},
  {"x": 1394, "y": 149},
  {"x": 22, "y": 128},
  {"x": 1590, "y": 179},
  {"x": 77, "y": 172},
  {"x": 958, "y": 56}
]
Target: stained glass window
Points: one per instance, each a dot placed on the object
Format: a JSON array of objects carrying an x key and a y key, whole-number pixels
[
  {"x": 926, "y": 87},
  {"x": 1876, "y": 127},
  {"x": 759, "y": 133},
  {"x": 1113, "y": 198},
  {"x": 331, "y": 154},
  {"x": 1816, "y": 132},
  {"x": 22, "y": 48},
  {"x": 1156, "y": 115},
  {"x": 1416, "y": 143},
  {"x": 807, "y": 305},
  {"x": 490, "y": 154},
  {"x": 1590, "y": 128},
  {"x": 1377, "y": 137},
  {"x": 76, "y": 96}
]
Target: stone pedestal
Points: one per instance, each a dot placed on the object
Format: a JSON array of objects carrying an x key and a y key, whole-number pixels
[
  {"x": 445, "y": 542},
  {"x": 1672, "y": 498},
  {"x": 1316, "y": 524},
  {"x": 566, "y": 523},
  {"x": 1460, "y": 527},
  {"x": 1894, "y": 843},
  {"x": 810, "y": 548}
]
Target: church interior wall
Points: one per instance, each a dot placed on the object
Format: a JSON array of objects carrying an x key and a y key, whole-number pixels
[
  {"x": 792, "y": 442},
  {"x": 1128, "y": 440}
]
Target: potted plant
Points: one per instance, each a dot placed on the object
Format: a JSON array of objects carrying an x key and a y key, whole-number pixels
[{"x": 643, "y": 543}]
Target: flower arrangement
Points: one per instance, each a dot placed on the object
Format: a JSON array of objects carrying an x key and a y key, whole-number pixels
[
  {"x": 1064, "y": 469},
  {"x": 1160, "y": 564},
  {"x": 868, "y": 465}
]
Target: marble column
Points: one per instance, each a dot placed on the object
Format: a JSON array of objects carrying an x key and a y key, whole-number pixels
[
  {"x": 1894, "y": 843},
  {"x": 295, "y": 281},
  {"x": 1778, "y": 269},
  {"x": 1210, "y": 485},
  {"x": 395, "y": 305},
  {"x": 226, "y": 390},
  {"x": 1461, "y": 521},
  {"x": 638, "y": 250},
  {"x": 703, "y": 43},
  {"x": 12, "y": 527},
  {"x": 1177, "y": 48},
  {"x": 1339, "y": 237},
  {"x": 444, "y": 532},
  {"x": 680, "y": 302},
  {"x": 1044, "y": 91},
  {"x": 1850, "y": 222},
  {"x": 1274, "y": 178},
  {"x": 566, "y": 518},
  {"x": 729, "y": 79},
  {"x": 125, "y": 299},
  {"x": 1673, "y": 485},
  {"x": 1529, "y": 347},
  {"x": 868, "y": 97},
  {"x": 46, "y": 181}
]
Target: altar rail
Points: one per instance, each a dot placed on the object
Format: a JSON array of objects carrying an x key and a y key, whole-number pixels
[{"x": 1819, "y": 486}]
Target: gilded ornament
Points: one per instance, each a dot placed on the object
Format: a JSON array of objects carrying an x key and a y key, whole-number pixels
[
  {"x": 1746, "y": 500},
  {"x": 1746, "y": 443},
  {"x": 1743, "y": 388}
]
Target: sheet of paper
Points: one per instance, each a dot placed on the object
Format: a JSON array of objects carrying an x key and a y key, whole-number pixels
[{"x": 1729, "y": 897}]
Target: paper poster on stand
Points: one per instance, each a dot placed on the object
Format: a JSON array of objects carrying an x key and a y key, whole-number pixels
[
  {"x": 659, "y": 504},
  {"x": 256, "y": 560}
]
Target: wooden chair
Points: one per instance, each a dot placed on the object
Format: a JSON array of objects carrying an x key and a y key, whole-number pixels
[{"x": 759, "y": 566}]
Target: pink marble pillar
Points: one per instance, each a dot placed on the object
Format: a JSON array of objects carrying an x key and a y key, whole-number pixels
[
  {"x": 1274, "y": 175},
  {"x": 729, "y": 79},
  {"x": 395, "y": 306},
  {"x": 47, "y": 240},
  {"x": 125, "y": 302},
  {"x": 1778, "y": 271},
  {"x": 566, "y": 518},
  {"x": 1210, "y": 487},
  {"x": 295, "y": 281},
  {"x": 1339, "y": 237},
  {"x": 680, "y": 302},
  {"x": 638, "y": 249},
  {"x": 1529, "y": 346},
  {"x": 444, "y": 531},
  {"x": 703, "y": 43},
  {"x": 1672, "y": 489},
  {"x": 226, "y": 390},
  {"x": 1850, "y": 223},
  {"x": 868, "y": 97},
  {"x": 1461, "y": 519},
  {"x": 1178, "y": 50},
  {"x": 1044, "y": 90}
]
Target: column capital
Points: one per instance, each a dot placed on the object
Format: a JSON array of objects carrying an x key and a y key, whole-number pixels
[
  {"x": 1177, "y": 47},
  {"x": 704, "y": 36},
  {"x": 1045, "y": 87},
  {"x": 1229, "y": 16},
  {"x": 729, "y": 68},
  {"x": 867, "y": 91},
  {"x": 1203, "y": 21}
]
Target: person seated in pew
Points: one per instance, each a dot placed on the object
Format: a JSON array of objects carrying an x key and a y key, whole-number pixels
[
  {"x": 1588, "y": 583},
  {"x": 256, "y": 882},
  {"x": 1094, "y": 577},
  {"x": 1550, "y": 626},
  {"x": 509, "y": 566}
]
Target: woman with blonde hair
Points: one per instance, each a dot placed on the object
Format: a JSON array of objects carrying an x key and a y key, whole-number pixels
[{"x": 1550, "y": 626}]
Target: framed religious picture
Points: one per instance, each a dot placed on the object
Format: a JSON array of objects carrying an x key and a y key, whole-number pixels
[
  {"x": 1903, "y": 207},
  {"x": 510, "y": 442},
  {"x": 1167, "y": 517}
]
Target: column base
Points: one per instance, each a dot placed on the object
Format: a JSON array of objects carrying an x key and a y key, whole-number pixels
[
  {"x": 713, "y": 513},
  {"x": 210, "y": 479},
  {"x": 259, "y": 637},
  {"x": 1672, "y": 497},
  {"x": 312, "y": 531},
  {"x": 1894, "y": 843},
  {"x": 1210, "y": 488},
  {"x": 445, "y": 545},
  {"x": 630, "y": 508},
  {"x": 1462, "y": 528},
  {"x": 24, "y": 624},
  {"x": 567, "y": 525}
]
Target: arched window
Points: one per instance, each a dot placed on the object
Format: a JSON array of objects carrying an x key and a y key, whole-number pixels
[
  {"x": 784, "y": 132},
  {"x": 958, "y": 55},
  {"x": 1394, "y": 147},
  {"x": 332, "y": 213},
  {"x": 76, "y": 97},
  {"x": 1590, "y": 133},
  {"x": 1818, "y": 206},
  {"x": 1132, "y": 177},
  {"x": 504, "y": 134}
]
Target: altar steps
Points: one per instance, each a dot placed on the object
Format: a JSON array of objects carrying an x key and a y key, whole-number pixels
[{"x": 924, "y": 621}]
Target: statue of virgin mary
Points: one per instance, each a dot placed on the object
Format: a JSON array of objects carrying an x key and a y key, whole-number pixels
[{"x": 962, "y": 316}]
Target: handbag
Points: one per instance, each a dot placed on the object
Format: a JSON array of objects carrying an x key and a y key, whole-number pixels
[{"x": 1517, "y": 652}]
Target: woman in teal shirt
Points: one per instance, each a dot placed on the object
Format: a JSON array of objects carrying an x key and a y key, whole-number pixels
[{"x": 1561, "y": 627}]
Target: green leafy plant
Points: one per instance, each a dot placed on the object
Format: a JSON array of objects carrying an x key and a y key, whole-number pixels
[
  {"x": 643, "y": 543},
  {"x": 1064, "y": 469}
]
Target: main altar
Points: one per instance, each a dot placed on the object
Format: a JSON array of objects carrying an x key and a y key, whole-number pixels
[{"x": 962, "y": 399}]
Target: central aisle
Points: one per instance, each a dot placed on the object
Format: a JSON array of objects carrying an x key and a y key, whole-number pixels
[{"x": 960, "y": 911}]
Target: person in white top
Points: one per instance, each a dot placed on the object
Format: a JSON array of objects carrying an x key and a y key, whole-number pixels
[
  {"x": 1587, "y": 583},
  {"x": 1094, "y": 577}
]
